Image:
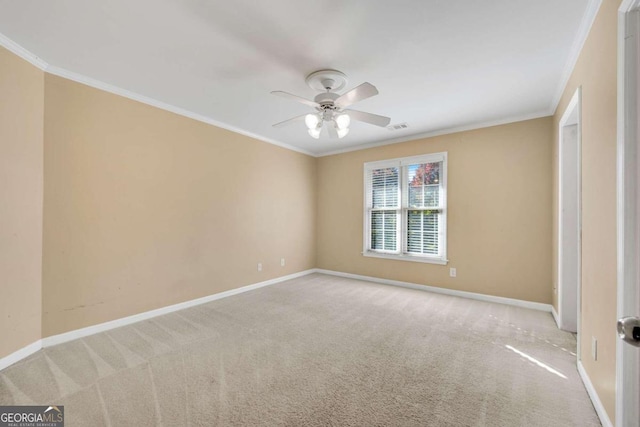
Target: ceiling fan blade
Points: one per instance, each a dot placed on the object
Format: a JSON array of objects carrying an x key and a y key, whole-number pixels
[
  {"x": 372, "y": 119},
  {"x": 290, "y": 121},
  {"x": 295, "y": 98},
  {"x": 364, "y": 91},
  {"x": 333, "y": 133}
]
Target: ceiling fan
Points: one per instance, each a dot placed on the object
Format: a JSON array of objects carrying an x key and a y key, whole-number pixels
[{"x": 331, "y": 107}]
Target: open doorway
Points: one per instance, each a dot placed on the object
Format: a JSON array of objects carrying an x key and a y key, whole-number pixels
[{"x": 569, "y": 217}]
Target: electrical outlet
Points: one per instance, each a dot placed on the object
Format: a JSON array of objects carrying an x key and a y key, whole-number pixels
[
  {"x": 594, "y": 348},
  {"x": 452, "y": 272},
  {"x": 259, "y": 266},
  {"x": 281, "y": 262}
]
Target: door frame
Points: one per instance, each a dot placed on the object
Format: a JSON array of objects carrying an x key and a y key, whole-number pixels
[
  {"x": 628, "y": 194},
  {"x": 569, "y": 296}
]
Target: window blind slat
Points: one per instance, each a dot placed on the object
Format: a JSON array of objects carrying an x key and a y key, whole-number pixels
[
  {"x": 405, "y": 205},
  {"x": 383, "y": 230},
  {"x": 423, "y": 228},
  {"x": 422, "y": 181},
  {"x": 384, "y": 184}
]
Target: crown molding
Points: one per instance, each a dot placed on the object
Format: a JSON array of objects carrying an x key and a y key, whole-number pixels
[
  {"x": 23, "y": 53},
  {"x": 36, "y": 61},
  {"x": 440, "y": 132},
  {"x": 88, "y": 81},
  {"x": 588, "y": 18}
]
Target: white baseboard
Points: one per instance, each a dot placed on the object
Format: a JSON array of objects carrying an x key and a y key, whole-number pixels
[
  {"x": 90, "y": 330},
  {"x": 94, "y": 329},
  {"x": 593, "y": 395},
  {"x": 434, "y": 289},
  {"x": 556, "y": 317},
  {"x": 18, "y": 355}
]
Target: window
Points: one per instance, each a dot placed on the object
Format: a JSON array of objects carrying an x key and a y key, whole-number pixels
[{"x": 405, "y": 208}]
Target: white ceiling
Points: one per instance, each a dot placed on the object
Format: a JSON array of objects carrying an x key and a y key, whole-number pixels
[{"x": 438, "y": 64}]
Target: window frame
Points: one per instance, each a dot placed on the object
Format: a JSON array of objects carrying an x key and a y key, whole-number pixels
[{"x": 402, "y": 163}]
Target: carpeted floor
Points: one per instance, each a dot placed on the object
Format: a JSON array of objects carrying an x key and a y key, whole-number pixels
[{"x": 316, "y": 351}]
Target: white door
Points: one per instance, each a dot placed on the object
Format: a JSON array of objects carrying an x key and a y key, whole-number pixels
[{"x": 628, "y": 347}]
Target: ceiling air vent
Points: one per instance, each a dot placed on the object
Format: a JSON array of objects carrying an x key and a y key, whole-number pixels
[{"x": 398, "y": 126}]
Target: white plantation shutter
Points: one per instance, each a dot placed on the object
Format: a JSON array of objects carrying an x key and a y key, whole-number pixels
[
  {"x": 383, "y": 207},
  {"x": 405, "y": 208},
  {"x": 422, "y": 211}
]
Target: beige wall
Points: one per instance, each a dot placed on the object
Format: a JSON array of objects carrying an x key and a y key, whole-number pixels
[
  {"x": 144, "y": 208},
  {"x": 499, "y": 212},
  {"x": 596, "y": 73},
  {"x": 21, "y": 110}
]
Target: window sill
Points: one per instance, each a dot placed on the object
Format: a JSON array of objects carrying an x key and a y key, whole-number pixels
[{"x": 402, "y": 257}]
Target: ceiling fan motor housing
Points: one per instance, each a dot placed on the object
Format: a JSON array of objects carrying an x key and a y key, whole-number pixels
[
  {"x": 326, "y": 101},
  {"x": 328, "y": 83}
]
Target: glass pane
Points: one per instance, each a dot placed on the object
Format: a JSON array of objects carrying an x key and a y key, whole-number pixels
[
  {"x": 424, "y": 185},
  {"x": 384, "y": 187},
  {"x": 383, "y": 230},
  {"x": 422, "y": 232}
]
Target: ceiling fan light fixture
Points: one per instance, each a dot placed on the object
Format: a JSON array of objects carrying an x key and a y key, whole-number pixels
[
  {"x": 312, "y": 121},
  {"x": 331, "y": 108},
  {"x": 315, "y": 132},
  {"x": 343, "y": 121}
]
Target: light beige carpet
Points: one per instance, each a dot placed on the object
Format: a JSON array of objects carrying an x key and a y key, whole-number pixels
[{"x": 316, "y": 351}]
